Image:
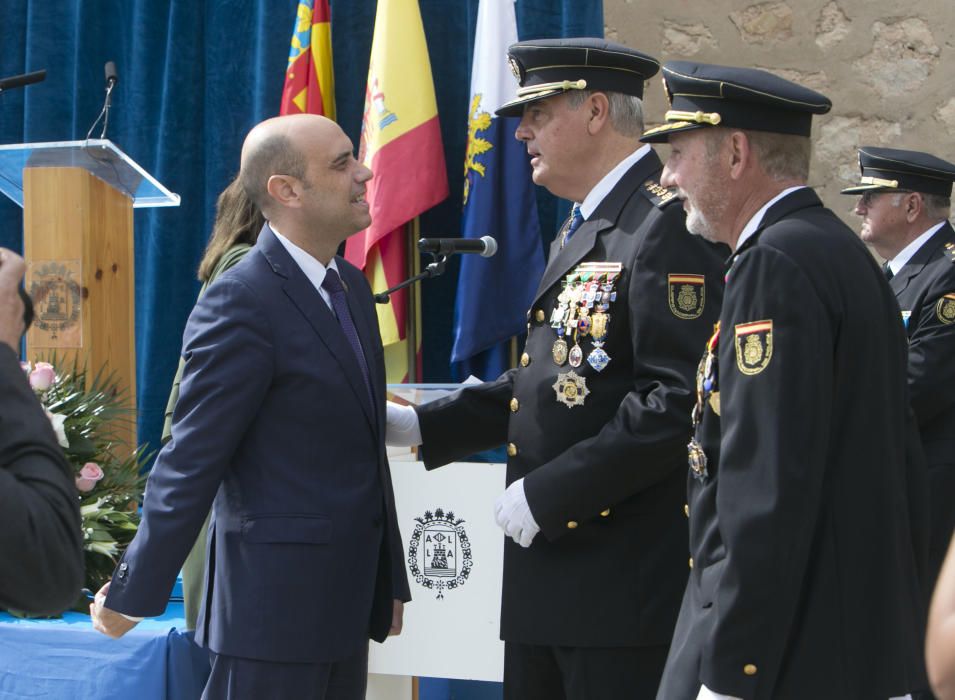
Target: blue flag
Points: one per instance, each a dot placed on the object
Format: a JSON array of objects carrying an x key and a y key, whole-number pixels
[{"x": 499, "y": 201}]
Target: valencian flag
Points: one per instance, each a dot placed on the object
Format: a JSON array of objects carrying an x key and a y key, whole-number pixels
[
  {"x": 309, "y": 79},
  {"x": 401, "y": 143},
  {"x": 499, "y": 200}
]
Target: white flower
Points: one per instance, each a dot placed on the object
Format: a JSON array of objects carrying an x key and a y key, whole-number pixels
[{"x": 57, "y": 420}]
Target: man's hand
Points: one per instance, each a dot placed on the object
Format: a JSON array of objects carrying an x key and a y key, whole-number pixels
[
  {"x": 397, "y": 618},
  {"x": 107, "y": 621},
  {"x": 11, "y": 306},
  {"x": 513, "y": 514}
]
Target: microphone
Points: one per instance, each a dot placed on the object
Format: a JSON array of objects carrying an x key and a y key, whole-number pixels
[
  {"x": 485, "y": 246},
  {"x": 109, "y": 71},
  {"x": 21, "y": 80}
]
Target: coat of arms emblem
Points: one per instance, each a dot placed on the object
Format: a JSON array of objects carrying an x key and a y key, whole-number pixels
[{"x": 439, "y": 555}]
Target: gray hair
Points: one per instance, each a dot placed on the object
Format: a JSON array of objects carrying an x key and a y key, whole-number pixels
[
  {"x": 937, "y": 206},
  {"x": 626, "y": 111},
  {"x": 782, "y": 156},
  {"x": 275, "y": 155}
]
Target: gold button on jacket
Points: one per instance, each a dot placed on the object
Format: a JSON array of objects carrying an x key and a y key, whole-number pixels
[
  {"x": 749, "y": 669},
  {"x": 539, "y": 315},
  {"x": 571, "y": 525},
  {"x": 525, "y": 360},
  {"x": 515, "y": 404},
  {"x": 511, "y": 449}
]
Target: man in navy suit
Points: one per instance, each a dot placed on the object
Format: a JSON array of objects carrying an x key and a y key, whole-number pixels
[{"x": 280, "y": 426}]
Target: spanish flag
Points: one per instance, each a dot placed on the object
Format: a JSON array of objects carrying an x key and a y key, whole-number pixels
[
  {"x": 401, "y": 143},
  {"x": 309, "y": 78}
]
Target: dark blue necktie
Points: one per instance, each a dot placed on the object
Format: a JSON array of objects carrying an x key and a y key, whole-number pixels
[
  {"x": 333, "y": 285},
  {"x": 887, "y": 271},
  {"x": 576, "y": 219}
]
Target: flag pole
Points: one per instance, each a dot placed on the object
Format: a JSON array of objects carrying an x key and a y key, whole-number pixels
[{"x": 414, "y": 299}]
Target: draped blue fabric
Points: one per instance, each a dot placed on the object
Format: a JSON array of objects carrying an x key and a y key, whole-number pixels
[{"x": 193, "y": 79}]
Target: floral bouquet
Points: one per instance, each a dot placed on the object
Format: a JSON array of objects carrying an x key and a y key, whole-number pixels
[{"x": 84, "y": 413}]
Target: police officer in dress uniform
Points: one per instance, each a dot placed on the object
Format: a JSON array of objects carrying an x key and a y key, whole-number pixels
[
  {"x": 804, "y": 514},
  {"x": 596, "y": 417},
  {"x": 905, "y": 203}
]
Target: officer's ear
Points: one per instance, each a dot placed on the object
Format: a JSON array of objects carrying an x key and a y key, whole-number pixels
[
  {"x": 740, "y": 153},
  {"x": 914, "y": 206},
  {"x": 598, "y": 106}
]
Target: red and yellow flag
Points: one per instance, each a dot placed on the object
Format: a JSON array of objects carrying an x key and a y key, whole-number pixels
[
  {"x": 309, "y": 78},
  {"x": 401, "y": 143}
]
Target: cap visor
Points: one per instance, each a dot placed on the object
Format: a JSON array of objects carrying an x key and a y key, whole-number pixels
[
  {"x": 858, "y": 189},
  {"x": 661, "y": 134},
  {"x": 515, "y": 108}
]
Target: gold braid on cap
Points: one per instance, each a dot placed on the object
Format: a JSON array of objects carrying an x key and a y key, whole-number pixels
[
  {"x": 712, "y": 118},
  {"x": 867, "y": 180},
  {"x": 549, "y": 87}
]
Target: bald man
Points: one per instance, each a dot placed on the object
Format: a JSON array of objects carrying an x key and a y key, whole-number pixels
[{"x": 280, "y": 428}]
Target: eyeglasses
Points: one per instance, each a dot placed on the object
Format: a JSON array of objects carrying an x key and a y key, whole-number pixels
[{"x": 869, "y": 195}]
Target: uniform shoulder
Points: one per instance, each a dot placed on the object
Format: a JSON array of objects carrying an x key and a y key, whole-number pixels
[
  {"x": 658, "y": 195},
  {"x": 948, "y": 251}
]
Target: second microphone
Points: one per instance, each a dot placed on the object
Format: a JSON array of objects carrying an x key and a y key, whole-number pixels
[{"x": 485, "y": 246}]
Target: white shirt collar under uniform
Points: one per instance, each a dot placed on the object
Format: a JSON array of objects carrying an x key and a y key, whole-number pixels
[
  {"x": 610, "y": 180},
  {"x": 898, "y": 262},
  {"x": 313, "y": 269},
  {"x": 750, "y": 228}
]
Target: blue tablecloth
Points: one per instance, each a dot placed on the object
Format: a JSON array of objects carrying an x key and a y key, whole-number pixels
[{"x": 67, "y": 659}]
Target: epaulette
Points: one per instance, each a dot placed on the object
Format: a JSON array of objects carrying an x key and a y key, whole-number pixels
[
  {"x": 658, "y": 195},
  {"x": 950, "y": 251}
]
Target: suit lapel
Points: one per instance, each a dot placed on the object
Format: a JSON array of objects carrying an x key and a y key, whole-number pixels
[
  {"x": 604, "y": 217},
  {"x": 310, "y": 304},
  {"x": 368, "y": 335}
]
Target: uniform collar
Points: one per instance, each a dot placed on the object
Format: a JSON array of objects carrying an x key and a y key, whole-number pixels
[
  {"x": 753, "y": 224},
  {"x": 609, "y": 181},
  {"x": 899, "y": 261}
]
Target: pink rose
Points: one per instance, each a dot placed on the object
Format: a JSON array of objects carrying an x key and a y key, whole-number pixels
[
  {"x": 89, "y": 475},
  {"x": 42, "y": 376}
]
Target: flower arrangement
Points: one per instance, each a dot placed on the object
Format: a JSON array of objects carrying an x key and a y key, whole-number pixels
[{"x": 84, "y": 412}]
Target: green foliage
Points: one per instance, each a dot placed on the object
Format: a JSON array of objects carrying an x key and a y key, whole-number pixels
[{"x": 93, "y": 408}]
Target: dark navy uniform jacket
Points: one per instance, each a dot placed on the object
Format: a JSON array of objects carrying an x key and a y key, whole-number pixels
[
  {"x": 807, "y": 533},
  {"x": 605, "y": 479},
  {"x": 925, "y": 289}
]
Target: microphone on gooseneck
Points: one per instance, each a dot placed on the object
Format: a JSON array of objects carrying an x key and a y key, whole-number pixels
[
  {"x": 485, "y": 246},
  {"x": 112, "y": 77}
]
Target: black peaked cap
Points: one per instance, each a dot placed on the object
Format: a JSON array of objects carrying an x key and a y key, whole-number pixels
[
  {"x": 703, "y": 95},
  {"x": 896, "y": 169},
  {"x": 548, "y": 67}
]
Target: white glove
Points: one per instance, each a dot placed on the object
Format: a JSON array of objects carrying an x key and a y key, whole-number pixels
[
  {"x": 707, "y": 694},
  {"x": 513, "y": 514},
  {"x": 401, "y": 426}
]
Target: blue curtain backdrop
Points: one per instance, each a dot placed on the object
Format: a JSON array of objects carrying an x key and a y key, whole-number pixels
[{"x": 194, "y": 77}]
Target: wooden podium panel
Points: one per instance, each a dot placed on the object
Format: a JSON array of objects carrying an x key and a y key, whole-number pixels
[{"x": 78, "y": 243}]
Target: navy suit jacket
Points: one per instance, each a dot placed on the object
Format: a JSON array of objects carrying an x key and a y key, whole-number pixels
[{"x": 275, "y": 425}]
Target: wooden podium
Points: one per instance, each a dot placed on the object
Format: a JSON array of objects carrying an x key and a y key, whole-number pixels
[{"x": 78, "y": 199}]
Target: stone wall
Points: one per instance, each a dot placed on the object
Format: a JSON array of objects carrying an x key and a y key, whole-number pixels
[{"x": 886, "y": 66}]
